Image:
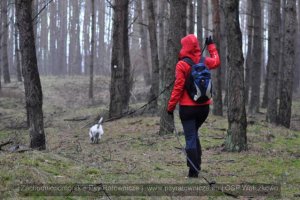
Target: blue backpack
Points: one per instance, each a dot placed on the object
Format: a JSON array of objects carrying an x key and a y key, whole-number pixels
[{"x": 199, "y": 83}]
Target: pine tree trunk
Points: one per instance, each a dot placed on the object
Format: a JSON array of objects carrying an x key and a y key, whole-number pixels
[
  {"x": 17, "y": 54},
  {"x": 249, "y": 57},
  {"x": 217, "y": 81},
  {"x": 86, "y": 36},
  {"x": 274, "y": 51},
  {"x": 223, "y": 52},
  {"x": 91, "y": 93},
  {"x": 44, "y": 44},
  {"x": 284, "y": 114},
  {"x": 191, "y": 21},
  {"x": 144, "y": 42},
  {"x": 119, "y": 94},
  {"x": 296, "y": 84},
  {"x": 62, "y": 62},
  {"x": 199, "y": 21},
  {"x": 176, "y": 32},
  {"x": 236, "y": 139},
  {"x": 161, "y": 38},
  {"x": 127, "y": 78},
  {"x": 5, "y": 64},
  {"x": 256, "y": 61},
  {"x": 74, "y": 53},
  {"x": 154, "y": 56},
  {"x": 32, "y": 84}
]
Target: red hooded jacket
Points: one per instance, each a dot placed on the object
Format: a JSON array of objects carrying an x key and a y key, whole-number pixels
[{"x": 191, "y": 49}]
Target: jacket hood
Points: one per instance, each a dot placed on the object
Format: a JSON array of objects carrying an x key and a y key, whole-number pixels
[{"x": 190, "y": 48}]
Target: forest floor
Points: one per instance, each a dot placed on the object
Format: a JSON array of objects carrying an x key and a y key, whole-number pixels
[{"x": 131, "y": 151}]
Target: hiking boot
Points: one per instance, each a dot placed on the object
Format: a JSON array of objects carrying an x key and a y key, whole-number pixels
[{"x": 192, "y": 173}]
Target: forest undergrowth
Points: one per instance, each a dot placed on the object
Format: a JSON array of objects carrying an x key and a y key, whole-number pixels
[{"x": 131, "y": 151}]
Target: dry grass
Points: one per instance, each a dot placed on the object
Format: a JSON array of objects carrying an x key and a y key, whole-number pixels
[{"x": 131, "y": 151}]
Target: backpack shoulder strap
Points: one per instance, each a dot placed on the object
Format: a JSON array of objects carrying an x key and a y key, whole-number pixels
[
  {"x": 202, "y": 60},
  {"x": 188, "y": 61}
]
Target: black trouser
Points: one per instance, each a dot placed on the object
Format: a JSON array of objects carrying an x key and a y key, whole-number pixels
[{"x": 192, "y": 117}]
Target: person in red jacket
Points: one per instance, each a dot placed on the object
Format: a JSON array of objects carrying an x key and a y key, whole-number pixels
[{"x": 192, "y": 114}]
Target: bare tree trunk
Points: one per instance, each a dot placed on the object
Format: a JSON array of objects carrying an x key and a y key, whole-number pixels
[
  {"x": 274, "y": 51},
  {"x": 199, "y": 21},
  {"x": 154, "y": 56},
  {"x": 176, "y": 32},
  {"x": 53, "y": 39},
  {"x": 74, "y": 49},
  {"x": 144, "y": 42},
  {"x": 285, "y": 105},
  {"x": 256, "y": 66},
  {"x": 127, "y": 78},
  {"x": 63, "y": 11},
  {"x": 236, "y": 139},
  {"x": 32, "y": 84},
  {"x": 296, "y": 84},
  {"x": 191, "y": 15},
  {"x": 223, "y": 52},
  {"x": 119, "y": 94},
  {"x": 86, "y": 35},
  {"x": 91, "y": 93},
  {"x": 249, "y": 57},
  {"x": 205, "y": 17},
  {"x": 17, "y": 54},
  {"x": 44, "y": 44},
  {"x": 0, "y": 46},
  {"x": 5, "y": 65},
  {"x": 217, "y": 82},
  {"x": 161, "y": 38}
]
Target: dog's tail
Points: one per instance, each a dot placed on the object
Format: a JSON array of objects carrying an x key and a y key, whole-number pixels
[{"x": 100, "y": 121}]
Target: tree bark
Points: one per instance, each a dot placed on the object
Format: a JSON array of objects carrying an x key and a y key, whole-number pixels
[
  {"x": 144, "y": 42},
  {"x": 75, "y": 57},
  {"x": 284, "y": 114},
  {"x": 256, "y": 61},
  {"x": 217, "y": 81},
  {"x": 5, "y": 64},
  {"x": 236, "y": 139},
  {"x": 91, "y": 93},
  {"x": 249, "y": 57},
  {"x": 17, "y": 54},
  {"x": 120, "y": 67},
  {"x": 62, "y": 61},
  {"x": 199, "y": 21},
  {"x": 176, "y": 32},
  {"x": 161, "y": 38},
  {"x": 191, "y": 15},
  {"x": 154, "y": 57},
  {"x": 273, "y": 60},
  {"x": 32, "y": 84}
]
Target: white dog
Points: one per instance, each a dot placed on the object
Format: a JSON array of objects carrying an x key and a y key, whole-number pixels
[{"x": 96, "y": 132}]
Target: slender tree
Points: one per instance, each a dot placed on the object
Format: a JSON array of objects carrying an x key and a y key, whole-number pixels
[
  {"x": 161, "y": 37},
  {"x": 32, "y": 84},
  {"x": 273, "y": 60},
  {"x": 285, "y": 105},
  {"x": 154, "y": 56},
  {"x": 62, "y": 42},
  {"x": 256, "y": 61},
  {"x": 236, "y": 139},
  {"x": 5, "y": 64},
  {"x": 144, "y": 42},
  {"x": 17, "y": 54},
  {"x": 217, "y": 81},
  {"x": 177, "y": 31},
  {"x": 199, "y": 21},
  {"x": 249, "y": 57},
  {"x": 191, "y": 16},
  {"x": 91, "y": 93}
]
